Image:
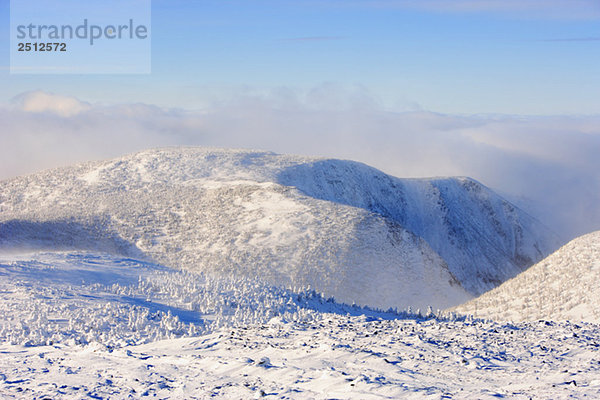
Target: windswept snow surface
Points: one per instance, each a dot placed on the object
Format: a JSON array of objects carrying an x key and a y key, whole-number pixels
[
  {"x": 340, "y": 227},
  {"x": 89, "y": 325},
  {"x": 563, "y": 286},
  {"x": 87, "y": 297}
]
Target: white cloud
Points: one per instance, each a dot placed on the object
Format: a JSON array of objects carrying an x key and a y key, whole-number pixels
[
  {"x": 548, "y": 164},
  {"x": 40, "y": 102}
]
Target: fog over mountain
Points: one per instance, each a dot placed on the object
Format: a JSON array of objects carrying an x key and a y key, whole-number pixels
[{"x": 546, "y": 165}]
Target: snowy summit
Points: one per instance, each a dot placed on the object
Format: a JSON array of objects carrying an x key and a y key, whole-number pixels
[{"x": 340, "y": 227}]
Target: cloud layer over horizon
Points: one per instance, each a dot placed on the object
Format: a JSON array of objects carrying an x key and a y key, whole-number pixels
[{"x": 547, "y": 165}]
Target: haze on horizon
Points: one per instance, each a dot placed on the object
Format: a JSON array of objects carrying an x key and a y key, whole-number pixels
[{"x": 501, "y": 91}]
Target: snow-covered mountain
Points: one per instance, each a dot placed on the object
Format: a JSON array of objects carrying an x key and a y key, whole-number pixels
[
  {"x": 563, "y": 286},
  {"x": 341, "y": 227},
  {"x": 483, "y": 238}
]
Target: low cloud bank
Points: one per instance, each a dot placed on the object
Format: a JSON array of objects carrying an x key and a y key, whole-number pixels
[{"x": 547, "y": 165}]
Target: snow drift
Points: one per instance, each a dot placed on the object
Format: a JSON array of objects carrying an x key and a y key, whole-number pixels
[{"x": 340, "y": 227}]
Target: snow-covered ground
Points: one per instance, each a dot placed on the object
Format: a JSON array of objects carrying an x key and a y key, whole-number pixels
[
  {"x": 340, "y": 227},
  {"x": 563, "y": 286},
  {"x": 89, "y": 325},
  {"x": 79, "y": 298}
]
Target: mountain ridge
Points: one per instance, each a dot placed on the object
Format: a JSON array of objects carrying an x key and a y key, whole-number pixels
[{"x": 341, "y": 227}]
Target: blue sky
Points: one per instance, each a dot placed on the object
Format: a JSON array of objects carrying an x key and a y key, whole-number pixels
[
  {"x": 504, "y": 91},
  {"x": 467, "y": 57}
]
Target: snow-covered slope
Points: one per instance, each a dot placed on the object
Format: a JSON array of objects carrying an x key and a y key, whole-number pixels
[
  {"x": 484, "y": 239},
  {"x": 341, "y": 227},
  {"x": 563, "y": 286},
  {"x": 79, "y": 325},
  {"x": 82, "y": 298}
]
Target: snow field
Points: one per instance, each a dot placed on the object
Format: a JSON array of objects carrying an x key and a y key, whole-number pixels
[
  {"x": 80, "y": 298},
  {"x": 336, "y": 356},
  {"x": 90, "y": 325}
]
